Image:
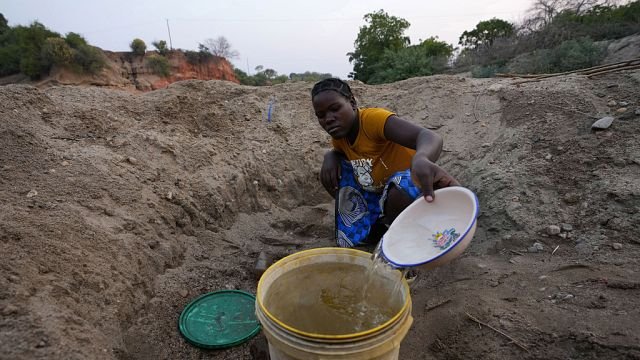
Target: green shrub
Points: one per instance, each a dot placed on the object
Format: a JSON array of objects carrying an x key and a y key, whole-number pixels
[
  {"x": 159, "y": 65},
  {"x": 576, "y": 54},
  {"x": 536, "y": 62},
  {"x": 280, "y": 79},
  {"x": 4, "y": 24},
  {"x": 56, "y": 51},
  {"x": 33, "y": 49},
  {"x": 193, "y": 57},
  {"x": 600, "y": 22},
  {"x": 30, "y": 41},
  {"x": 429, "y": 57},
  {"x": 90, "y": 59},
  {"x": 563, "y": 35},
  {"x": 197, "y": 57},
  {"x": 400, "y": 65},
  {"x": 260, "y": 79},
  {"x": 568, "y": 56},
  {"x": 75, "y": 40},
  {"x": 138, "y": 47},
  {"x": 17, "y": 43},
  {"x": 9, "y": 60},
  {"x": 161, "y": 46},
  {"x": 243, "y": 77},
  {"x": 33, "y": 66}
]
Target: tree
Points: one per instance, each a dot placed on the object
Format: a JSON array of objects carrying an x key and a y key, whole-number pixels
[
  {"x": 436, "y": 48},
  {"x": 4, "y": 24},
  {"x": 33, "y": 49},
  {"x": 400, "y": 65},
  {"x": 580, "y": 7},
  {"x": 485, "y": 33},
  {"x": 161, "y": 46},
  {"x": 220, "y": 46},
  {"x": 75, "y": 40},
  {"x": 30, "y": 42},
  {"x": 243, "y": 77},
  {"x": 543, "y": 12},
  {"x": 9, "y": 49},
  {"x": 383, "y": 32},
  {"x": 89, "y": 58},
  {"x": 270, "y": 73},
  {"x": 138, "y": 47},
  {"x": 57, "y": 51},
  {"x": 86, "y": 58},
  {"x": 262, "y": 77},
  {"x": 429, "y": 57}
]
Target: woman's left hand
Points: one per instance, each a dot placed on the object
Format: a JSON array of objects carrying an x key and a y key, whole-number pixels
[{"x": 429, "y": 176}]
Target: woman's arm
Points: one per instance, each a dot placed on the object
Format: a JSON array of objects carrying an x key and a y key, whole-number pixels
[
  {"x": 330, "y": 171},
  {"x": 407, "y": 134},
  {"x": 428, "y": 146}
]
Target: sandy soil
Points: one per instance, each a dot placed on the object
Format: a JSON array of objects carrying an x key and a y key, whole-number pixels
[{"x": 118, "y": 209}]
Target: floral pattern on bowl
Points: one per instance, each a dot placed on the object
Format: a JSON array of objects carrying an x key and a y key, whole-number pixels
[{"x": 443, "y": 239}]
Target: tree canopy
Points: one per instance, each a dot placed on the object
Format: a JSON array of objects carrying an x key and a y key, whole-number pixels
[
  {"x": 161, "y": 47},
  {"x": 138, "y": 47},
  {"x": 556, "y": 36},
  {"x": 4, "y": 24},
  {"x": 384, "y": 54},
  {"x": 486, "y": 32},
  {"x": 382, "y": 33},
  {"x": 34, "y": 49},
  {"x": 261, "y": 77},
  {"x": 427, "y": 58}
]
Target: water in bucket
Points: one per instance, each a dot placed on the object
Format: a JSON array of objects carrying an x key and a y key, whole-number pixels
[
  {"x": 311, "y": 306},
  {"x": 337, "y": 298}
]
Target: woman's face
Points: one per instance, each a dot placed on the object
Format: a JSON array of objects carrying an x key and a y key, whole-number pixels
[{"x": 335, "y": 113}]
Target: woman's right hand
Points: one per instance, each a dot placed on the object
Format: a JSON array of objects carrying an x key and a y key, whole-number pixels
[{"x": 330, "y": 171}]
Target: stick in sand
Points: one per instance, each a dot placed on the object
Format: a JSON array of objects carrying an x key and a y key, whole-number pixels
[
  {"x": 437, "y": 305},
  {"x": 518, "y": 344}
]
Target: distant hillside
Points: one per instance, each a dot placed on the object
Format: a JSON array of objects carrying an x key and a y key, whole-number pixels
[
  {"x": 128, "y": 71},
  {"x": 608, "y": 51}
]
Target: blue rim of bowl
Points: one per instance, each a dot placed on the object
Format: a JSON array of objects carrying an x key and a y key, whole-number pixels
[{"x": 466, "y": 231}]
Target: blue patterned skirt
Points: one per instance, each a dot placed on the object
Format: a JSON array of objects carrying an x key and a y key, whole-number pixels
[{"x": 357, "y": 210}]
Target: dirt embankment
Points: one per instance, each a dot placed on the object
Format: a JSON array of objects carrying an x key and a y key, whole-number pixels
[
  {"x": 118, "y": 209},
  {"x": 136, "y": 69},
  {"x": 125, "y": 71}
]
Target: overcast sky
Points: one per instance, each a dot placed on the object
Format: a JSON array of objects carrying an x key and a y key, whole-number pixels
[{"x": 287, "y": 36}]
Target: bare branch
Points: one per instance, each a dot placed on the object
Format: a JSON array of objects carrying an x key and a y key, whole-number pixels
[{"x": 221, "y": 47}]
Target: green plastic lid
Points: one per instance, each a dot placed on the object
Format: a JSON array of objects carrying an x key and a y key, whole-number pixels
[{"x": 220, "y": 319}]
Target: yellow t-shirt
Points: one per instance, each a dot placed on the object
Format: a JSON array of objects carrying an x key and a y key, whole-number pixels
[{"x": 373, "y": 157}]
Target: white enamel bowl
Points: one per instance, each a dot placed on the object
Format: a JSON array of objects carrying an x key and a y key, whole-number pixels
[{"x": 432, "y": 234}]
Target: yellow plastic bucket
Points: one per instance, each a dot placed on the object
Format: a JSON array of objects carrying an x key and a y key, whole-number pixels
[{"x": 291, "y": 341}]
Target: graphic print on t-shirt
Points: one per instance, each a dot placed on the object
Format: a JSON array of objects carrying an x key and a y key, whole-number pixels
[{"x": 362, "y": 169}]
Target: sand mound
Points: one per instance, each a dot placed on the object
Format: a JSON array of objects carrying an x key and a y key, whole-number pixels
[{"x": 118, "y": 209}]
